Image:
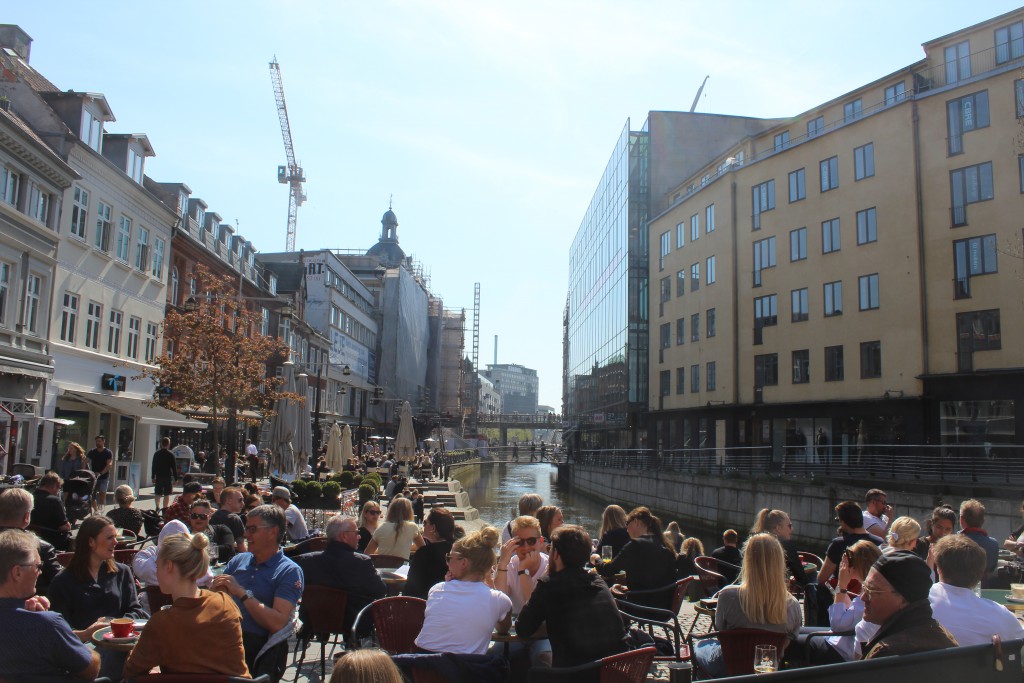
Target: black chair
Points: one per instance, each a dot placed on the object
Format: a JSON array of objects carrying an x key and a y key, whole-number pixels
[{"x": 323, "y": 612}]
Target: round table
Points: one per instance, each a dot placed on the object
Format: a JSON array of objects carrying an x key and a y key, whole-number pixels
[{"x": 119, "y": 645}]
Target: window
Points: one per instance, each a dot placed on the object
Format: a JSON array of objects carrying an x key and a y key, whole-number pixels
[
  {"x": 680, "y": 380},
  {"x": 764, "y": 257},
  {"x": 797, "y": 185},
  {"x": 709, "y": 317},
  {"x": 829, "y": 169},
  {"x": 709, "y": 270},
  {"x": 103, "y": 227},
  {"x": 92, "y": 130},
  {"x": 124, "y": 239},
  {"x": 709, "y": 218},
  {"x": 33, "y": 296},
  {"x": 830, "y": 236},
  {"x": 833, "y": 363},
  {"x": 666, "y": 289},
  {"x": 963, "y": 115},
  {"x": 666, "y": 249},
  {"x": 958, "y": 62},
  {"x": 665, "y": 382},
  {"x": 816, "y": 126},
  {"x": 864, "y": 161},
  {"x": 79, "y": 212},
  {"x": 798, "y": 298},
  {"x": 680, "y": 331},
  {"x": 92, "y": 325},
  {"x": 694, "y": 228},
  {"x": 867, "y": 226},
  {"x": 781, "y": 141},
  {"x": 766, "y": 370},
  {"x": 763, "y": 200},
  {"x": 969, "y": 185},
  {"x": 801, "y": 366},
  {"x": 971, "y": 257},
  {"x": 765, "y": 315},
  {"x": 38, "y": 204},
  {"x": 798, "y": 244},
  {"x": 976, "y": 331},
  {"x": 5, "y": 290},
  {"x": 134, "y": 331},
  {"x": 666, "y": 336},
  {"x": 680, "y": 282},
  {"x": 265, "y": 321},
  {"x": 680, "y": 235},
  {"x": 134, "y": 167},
  {"x": 1020, "y": 171},
  {"x": 852, "y": 110},
  {"x": 1018, "y": 92},
  {"x": 833, "y": 298},
  {"x": 201, "y": 216},
  {"x": 695, "y": 379},
  {"x": 142, "y": 250},
  {"x": 1010, "y": 42},
  {"x": 868, "y": 292},
  {"x": 897, "y": 92},
  {"x": 114, "y": 332},
  {"x": 711, "y": 373},
  {"x": 695, "y": 327},
  {"x": 151, "y": 341},
  {"x": 69, "y": 318},
  {"x": 695, "y": 277},
  {"x": 9, "y": 181},
  {"x": 870, "y": 359},
  {"x": 158, "y": 259}
]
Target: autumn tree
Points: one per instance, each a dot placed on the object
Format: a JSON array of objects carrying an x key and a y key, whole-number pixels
[{"x": 214, "y": 355}]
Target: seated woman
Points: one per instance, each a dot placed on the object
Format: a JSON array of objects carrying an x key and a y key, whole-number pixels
[
  {"x": 686, "y": 564},
  {"x": 369, "y": 519},
  {"x": 463, "y": 611},
  {"x": 428, "y": 565},
  {"x": 777, "y": 523},
  {"x": 398, "y": 534},
  {"x": 550, "y": 518},
  {"x": 366, "y": 666},
  {"x": 144, "y": 564},
  {"x": 903, "y": 534},
  {"x": 647, "y": 559},
  {"x": 759, "y": 601},
  {"x": 218, "y": 488},
  {"x": 124, "y": 516},
  {"x": 613, "y": 529},
  {"x": 178, "y": 638}
]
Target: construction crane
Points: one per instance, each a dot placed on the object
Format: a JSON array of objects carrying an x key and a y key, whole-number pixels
[{"x": 292, "y": 174}]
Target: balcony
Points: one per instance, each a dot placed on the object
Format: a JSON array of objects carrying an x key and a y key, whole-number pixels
[{"x": 1000, "y": 57}]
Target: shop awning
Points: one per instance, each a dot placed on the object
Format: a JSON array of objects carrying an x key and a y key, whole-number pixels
[
  {"x": 146, "y": 414},
  {"x": 224, "y": 413}
]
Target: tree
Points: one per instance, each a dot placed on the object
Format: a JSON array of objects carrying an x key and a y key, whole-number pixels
[{"x": 215, "y": 356}]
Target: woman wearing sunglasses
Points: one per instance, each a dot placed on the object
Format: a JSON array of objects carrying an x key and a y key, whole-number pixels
[
  {"x": 222, "y": 541},
  {"x": 369, "y": 518}
]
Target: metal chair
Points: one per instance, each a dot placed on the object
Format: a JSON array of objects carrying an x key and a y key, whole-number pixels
[
  {"x": 64, "y": 558},
  {"x": 710, "y": 579},
  {"x": 196, "y": 678},
  {"x": 323, "y": 611},
  {"x": 666, "y": 620},
  {"x": 157, "y": 599},
  {"x": 397, "y": 621},
  {"x": 310, "y": 545},
  {"x": 738, "y": 648},
  {"x": 387, "y": 561},
  {"x": 626, "y": 667}
]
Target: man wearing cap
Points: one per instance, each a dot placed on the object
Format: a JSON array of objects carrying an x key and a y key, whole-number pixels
[
  {"x": 282, "y": 498},
  {"x": 895, "y": 596},
  {"x": 182, "y": 507}
]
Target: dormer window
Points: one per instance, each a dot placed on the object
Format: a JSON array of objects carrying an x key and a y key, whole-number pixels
[
  {"x": 200, "y": 216},
  {"x": 135, "y": 162},
  {"x": 215, "y": 227},
  {"x": 92, "y": 130},
  {"x": 272, "y": 284}
]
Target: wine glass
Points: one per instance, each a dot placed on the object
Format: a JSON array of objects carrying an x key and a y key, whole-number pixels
[
  {"x": 766, "y": 659},
  {"x": 214, "y": 552},
  {"x": 606, "y": 554}
]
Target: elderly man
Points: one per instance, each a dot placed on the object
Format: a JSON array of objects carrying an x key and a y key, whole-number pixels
[
  {"x": 266, "y": 586},
  {"x": 35, "y": 644},
  {"x": 877, "y": 514},
  {"x": 895, "y": 596},
  {"x": 229, "y": 514},
  {"x": 582, "y": 621},
  {"x": 15, "y": 513},
  {"x": 282, "y": 498},
  {"x": 48, "y": 512},
  {"x": 340, "y": 566},
  {"x": 972, "y": 620},
  {"x": 972, "y": 523},
  {"x": 182, "y": 507}
]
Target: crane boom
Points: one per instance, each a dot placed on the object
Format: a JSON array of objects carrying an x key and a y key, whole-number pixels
[{"x": 292, "y": 174}]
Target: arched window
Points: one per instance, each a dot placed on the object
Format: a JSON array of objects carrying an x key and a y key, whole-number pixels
[{"x": 174, "y": 286}]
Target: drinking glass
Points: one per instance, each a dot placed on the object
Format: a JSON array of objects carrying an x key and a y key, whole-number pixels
[
  {"x": 766, "y": 659},
  {"x": 214, "y": 552},
  {"x": 606, "y": 554}
]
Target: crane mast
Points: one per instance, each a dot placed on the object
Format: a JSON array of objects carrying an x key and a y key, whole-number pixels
[{"x": 292, "y": 174}]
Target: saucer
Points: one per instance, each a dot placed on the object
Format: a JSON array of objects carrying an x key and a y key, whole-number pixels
[
  {"x": 109, "y": 637},
  {"x": 1019, "y": 601}
]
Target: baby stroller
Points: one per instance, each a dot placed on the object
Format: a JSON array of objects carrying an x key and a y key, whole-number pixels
[
  {"x": 79, "y": 490},
  {"x": 153, "y": 523}
]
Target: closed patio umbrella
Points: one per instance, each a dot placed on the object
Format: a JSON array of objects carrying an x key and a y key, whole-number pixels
[
  {"x": 335, "y": 458},
  {"x": 405, "y": 445},
  {"x": 347, "y": 452},
  {"x": 304, "y": 427},
  {"x": 282, "y": 425}
]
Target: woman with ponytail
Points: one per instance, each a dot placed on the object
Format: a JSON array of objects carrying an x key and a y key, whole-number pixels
[{"x": 201, "y": 631}]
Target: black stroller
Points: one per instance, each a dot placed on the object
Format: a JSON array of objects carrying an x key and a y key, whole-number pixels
[{"x": 79, "y": 490}]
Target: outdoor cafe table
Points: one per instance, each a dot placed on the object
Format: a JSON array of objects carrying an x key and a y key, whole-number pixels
[
  {"x": 117, "y": 645},
  {"x": 508, "y": 638},
  {"x": 1000, "y": 595}
]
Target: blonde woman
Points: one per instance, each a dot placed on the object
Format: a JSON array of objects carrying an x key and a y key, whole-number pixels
[
  {"x": 760, "y": 601},
  {"x": 369, "y": 519},
  {"x": 399, "y": 534},
  {"x": 778, "y": 523},
  {"x": 177, "y": 638},
  {"x": 463, "y": 611},
  {"x": 613, "y": 529},
  {"x": 902, "y": 535},
  {"x": 124, "y": 515},
  {"x": 366, "y": 666}
]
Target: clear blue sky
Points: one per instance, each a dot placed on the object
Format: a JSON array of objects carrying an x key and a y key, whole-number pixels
[{"x": 489, "y": 122}]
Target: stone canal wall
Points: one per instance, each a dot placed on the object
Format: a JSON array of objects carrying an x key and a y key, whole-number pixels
[{"x": 714, "y": 503}]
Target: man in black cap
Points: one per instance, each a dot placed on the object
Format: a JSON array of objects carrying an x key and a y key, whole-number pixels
[
  {"x": 182, "y": 507},
  {"x": 895, "y": 596}
]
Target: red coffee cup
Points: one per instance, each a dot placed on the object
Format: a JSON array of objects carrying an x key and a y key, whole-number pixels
[{"x": 122, "y": 628}]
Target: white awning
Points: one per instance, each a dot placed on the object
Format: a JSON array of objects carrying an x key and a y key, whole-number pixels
[{"x": 145, "y": 413}]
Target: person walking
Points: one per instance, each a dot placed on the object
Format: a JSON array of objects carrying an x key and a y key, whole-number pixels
[
  {"x": 100, "y": 460},
  {"x": 163, "y": 473}
]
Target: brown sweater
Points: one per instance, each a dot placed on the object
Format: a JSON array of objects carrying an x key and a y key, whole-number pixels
[{"x": 193, "y": 636}]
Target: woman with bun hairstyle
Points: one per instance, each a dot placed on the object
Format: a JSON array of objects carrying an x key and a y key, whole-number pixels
[
  {"x": 778, "y": 524},
  {"x": 463, "y": 611},
  {"x": 178, "y": 638}
]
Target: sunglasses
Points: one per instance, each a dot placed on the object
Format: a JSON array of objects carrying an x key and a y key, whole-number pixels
[
  {"x": 198, "y": 515},
  {"x": 532, "y": 541},
  {"x": 373, "y": 512}
]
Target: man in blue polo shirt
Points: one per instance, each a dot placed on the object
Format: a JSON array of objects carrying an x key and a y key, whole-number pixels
[
  {"x": 267, "y": 587},
  {"x": 34, "y": 643}
]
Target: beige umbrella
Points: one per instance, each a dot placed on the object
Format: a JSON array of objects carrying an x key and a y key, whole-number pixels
[
  {"x": 334, "y": 449},
  {"x": 405, "y": 445},
  {"x": 346, "y": 444}
]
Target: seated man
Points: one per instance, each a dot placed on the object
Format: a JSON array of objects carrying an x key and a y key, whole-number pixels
[
  {"x": 895, "y": 595},
  {"x": 730, "y": 553},
  {"x": 296, "y": 523},
  {"x": 15, "y": 513},
  {"x": 219, "y": 535},
  {"x": 877, "y": 514},
  {"x": 340, "y": 566},
  {"x": 972, "y": 522},
  {"x": 48, "y": 512},
  {"x": 266, "y": 586},
  {"x": 232, "y": 505},
  {"x": 521, "y": 563},
  {"x": 851, "y": 530},
  {"x": 582, "y": 622},
  {"x": 182, "y": 507},
  {"x": 35, "y": 643},
  {"x": 972, "y": 620}
]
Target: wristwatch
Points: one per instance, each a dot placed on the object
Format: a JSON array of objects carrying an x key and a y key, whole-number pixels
[
  {"x": 524, "y": 571},
  {"x": 843, "y": 591},
  {"x": 248, "y": 594}
]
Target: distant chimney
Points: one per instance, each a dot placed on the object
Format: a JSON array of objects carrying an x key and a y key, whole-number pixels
[
  {"x": 495, "y": 349},
  {"x": 13, "y": 37}
]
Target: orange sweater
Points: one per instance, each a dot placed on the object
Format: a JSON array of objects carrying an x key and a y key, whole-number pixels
[{"x": 193, "y": 636}]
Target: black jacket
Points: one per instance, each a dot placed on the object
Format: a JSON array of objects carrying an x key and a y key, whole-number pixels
[
  {"x": 427, "y": 567},
  {"x": 48, "y": 556},
  {"x": 163, "y": 464},
  {"x": 339, "y": 566},
  {"x": 648, "y": 564}
]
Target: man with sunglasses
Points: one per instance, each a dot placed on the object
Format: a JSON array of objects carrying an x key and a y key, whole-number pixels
[
  {"x": 219, "y": 535},
  {"x": 521, "y": 564}
]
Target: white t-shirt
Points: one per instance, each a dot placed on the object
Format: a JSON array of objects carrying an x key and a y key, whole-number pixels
[
  {"x": 972, "y": 620},
  {"x": 515, "y": 590},
  {"x": 461, "y": 616},
  {"x": 296, "y": 524},
  {"x": 871, "y": 520},
  {"x": 388, "y": 544},
  {"x": 251, "y": 449}
]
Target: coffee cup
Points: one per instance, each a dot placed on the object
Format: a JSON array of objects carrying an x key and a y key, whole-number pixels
[
  {"x": 1017, "y": 589},
  {"x": 122, "y": 628}
]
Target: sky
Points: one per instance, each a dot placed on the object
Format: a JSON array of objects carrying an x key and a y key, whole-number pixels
[{"x": 486, "y": 124}]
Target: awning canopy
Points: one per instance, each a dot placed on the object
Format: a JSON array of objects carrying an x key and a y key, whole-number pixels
[
  {"x": 223, "y": 413},
  {"x": 145, "y": 413}
]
